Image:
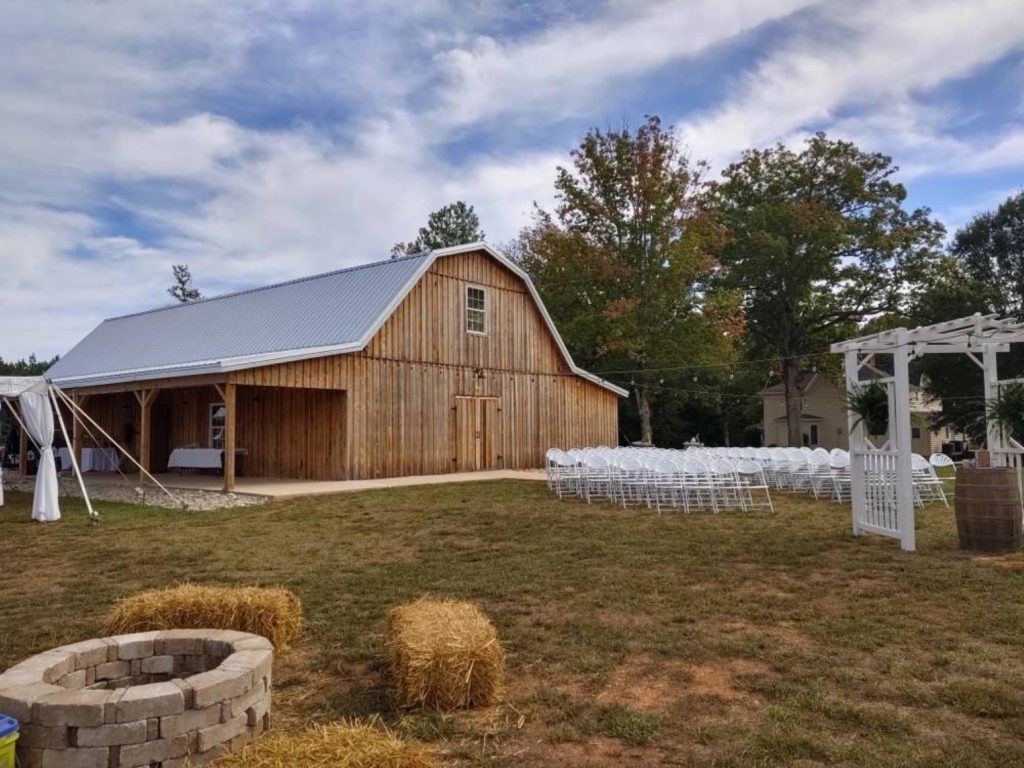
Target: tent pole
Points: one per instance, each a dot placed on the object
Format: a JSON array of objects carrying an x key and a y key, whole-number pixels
[
  {"x": 103, "y": 432},
  {"x": 25, "y": 435},
  {"x": 74, "y": 461}
]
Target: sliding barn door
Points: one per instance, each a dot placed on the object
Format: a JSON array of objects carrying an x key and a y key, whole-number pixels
[{"x": 477, "y": 434}]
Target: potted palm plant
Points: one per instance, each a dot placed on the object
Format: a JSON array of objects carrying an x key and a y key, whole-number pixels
[
  {"x": 870, "y": 404},
  {"x": 1006, "y": 411}
]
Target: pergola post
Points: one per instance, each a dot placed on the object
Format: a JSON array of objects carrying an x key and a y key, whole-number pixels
[
  {"x": 857, "y": 435},
  {"x": 901, "y": 429},
  {"x": 229, "y": 436},
  {"x": 990, "y": 382}
]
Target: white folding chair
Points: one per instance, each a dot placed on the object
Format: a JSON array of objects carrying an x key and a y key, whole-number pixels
[{"x": 753, "y": 484}]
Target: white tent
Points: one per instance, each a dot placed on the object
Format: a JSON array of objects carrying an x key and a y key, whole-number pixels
[
  {"x": 37, "y": 408},
  {"x": 38, "y": 401}
]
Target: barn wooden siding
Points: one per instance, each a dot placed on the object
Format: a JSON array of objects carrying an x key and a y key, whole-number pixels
[{"x": 423, "y": 397}]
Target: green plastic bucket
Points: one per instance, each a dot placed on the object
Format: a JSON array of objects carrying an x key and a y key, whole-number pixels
[{"x": 8, "y": 735}]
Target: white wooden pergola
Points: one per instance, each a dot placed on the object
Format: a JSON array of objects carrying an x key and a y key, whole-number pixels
[{"x": 881, "y": 478}]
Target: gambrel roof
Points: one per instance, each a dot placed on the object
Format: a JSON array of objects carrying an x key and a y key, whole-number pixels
[{"x": 328, "y": 314}]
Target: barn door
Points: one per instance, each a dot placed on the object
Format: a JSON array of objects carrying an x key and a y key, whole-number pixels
[{"x": 477, "y": 434}]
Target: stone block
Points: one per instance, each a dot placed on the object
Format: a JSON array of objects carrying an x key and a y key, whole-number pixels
[
  {"x": 218, "y": 734},
  {"x": 258, "y": 664},
  {"x": 78, "y": 708},
  {"x": 110, "y": 709},
  {"x": 154, "y": 700},
  {"x": 113, "y": 670},
  {"x": 88, "y": 653},
  {"x": 239, "y": 704},
  {"x": 136, "y": 667},
  {"x": 13, "y": 678},
  {"x": 98, "y": 757},
  {"x": 158, "y": 665},
  {"x": 181, "y": 642},
  {"x": 190, "y": 720},
  {"x": 153, "y": 728},
  {"x": 253, "y": 643},
  {"x": 153, "y": 752},
  {"x": 18, "y": 701},
  {"x": 73, "y": 681},
  {"x": 112, "y": 734},
  {"x": 135, "y": 646},
  {"x": 186, "y": 691},
  {"x": 216, "y": 685},
  {"x": 254, "y": 714},
  {"x": 50, "y": 666},
  {"x": 45, "y": 736}
]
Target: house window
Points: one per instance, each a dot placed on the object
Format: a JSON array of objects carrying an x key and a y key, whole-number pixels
[
  {"x": 814, "y": 434},
  {"x": 218, "y": 420},
  {"x": 915, "y": 432},
  {"x": 476, "y": 310}
]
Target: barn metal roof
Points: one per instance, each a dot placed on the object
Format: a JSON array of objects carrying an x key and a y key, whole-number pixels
[{"x": 326, "y": 314}]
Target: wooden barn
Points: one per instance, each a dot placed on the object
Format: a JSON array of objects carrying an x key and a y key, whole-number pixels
[{"x": 439, "y": 362}]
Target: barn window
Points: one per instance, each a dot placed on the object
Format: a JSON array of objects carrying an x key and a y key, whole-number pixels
[
  {"x": 218, "y": 420},
  {"x": 476, "y": 310}
]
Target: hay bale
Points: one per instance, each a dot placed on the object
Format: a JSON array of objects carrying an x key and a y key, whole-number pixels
[
  {"x": 443, "y": 654},
  {"x": 274, "y": 613},
  {"x": 341, "y": 745}
]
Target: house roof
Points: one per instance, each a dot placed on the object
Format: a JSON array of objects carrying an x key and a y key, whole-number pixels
[
  {"x": 332, "y": 313},
  {"x": 806, "y": 379}
]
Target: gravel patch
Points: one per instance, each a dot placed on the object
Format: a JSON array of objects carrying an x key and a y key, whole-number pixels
[{"x": 187, "y": 499}]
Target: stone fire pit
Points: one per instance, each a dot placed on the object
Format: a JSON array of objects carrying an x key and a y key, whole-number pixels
[{"x": 141, "y": 700}]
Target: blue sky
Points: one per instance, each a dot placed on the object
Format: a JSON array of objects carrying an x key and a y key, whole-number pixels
[{"x": 259, "y": 140}]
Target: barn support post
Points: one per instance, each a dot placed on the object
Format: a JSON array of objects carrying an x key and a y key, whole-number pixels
[
  {"x": 857, "y": 445},
  {"x": 145, "y": 398},
  {"x": 904, "y": 449},
  {"x": 78, "y": 433},
  {"x": 229, "y": 394}
]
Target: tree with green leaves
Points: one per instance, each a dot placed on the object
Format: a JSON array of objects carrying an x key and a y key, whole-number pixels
[
  {"x": 990, "y": 249},
  {"x": 983, "y": 272},
  {"x": 182, "y": 288},
  {"x": 454, "y": 224},
  {"x": 818, "y": 240},
  {"x": 25, "y": 367},
  {"x": 624, "y": 261}
]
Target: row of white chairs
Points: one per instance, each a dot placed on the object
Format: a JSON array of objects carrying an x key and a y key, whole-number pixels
[
  {"x": 718, "y": 478},
  {"x": 658, "y": 478}
]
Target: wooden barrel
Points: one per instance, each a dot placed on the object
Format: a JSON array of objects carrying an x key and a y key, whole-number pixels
[{"x": 988, "y": 509}]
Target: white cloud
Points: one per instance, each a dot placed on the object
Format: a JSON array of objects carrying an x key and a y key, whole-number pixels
[
  {"x": 866, "y": 55},
  {"x": 561, "y": 71}
]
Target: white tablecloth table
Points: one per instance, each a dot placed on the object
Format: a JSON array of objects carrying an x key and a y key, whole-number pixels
[
  {"x": 93, "y": 459},
  {"x": 196, "y": 458}
]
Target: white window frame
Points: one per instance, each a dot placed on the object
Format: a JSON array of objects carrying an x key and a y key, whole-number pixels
[
  {"x": 469, "y": 309},
  {"x": 211, "y": 428}
]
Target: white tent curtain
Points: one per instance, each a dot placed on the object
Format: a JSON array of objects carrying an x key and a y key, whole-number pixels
[
  {"x": 1, "y": 468},
  {"x": 37, "y": 413}
]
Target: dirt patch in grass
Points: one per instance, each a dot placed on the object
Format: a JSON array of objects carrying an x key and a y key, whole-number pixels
[{"x": 654, "y": 685}]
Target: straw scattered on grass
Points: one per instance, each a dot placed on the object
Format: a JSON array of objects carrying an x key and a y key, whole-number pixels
[
  {"x": 274, "y": 613},
  {"x": 443, "y": 654},
  {"x": 339, "y": 745}
]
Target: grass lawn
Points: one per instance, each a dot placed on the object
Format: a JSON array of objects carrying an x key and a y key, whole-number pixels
[{"x": 731, "y": 640}]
